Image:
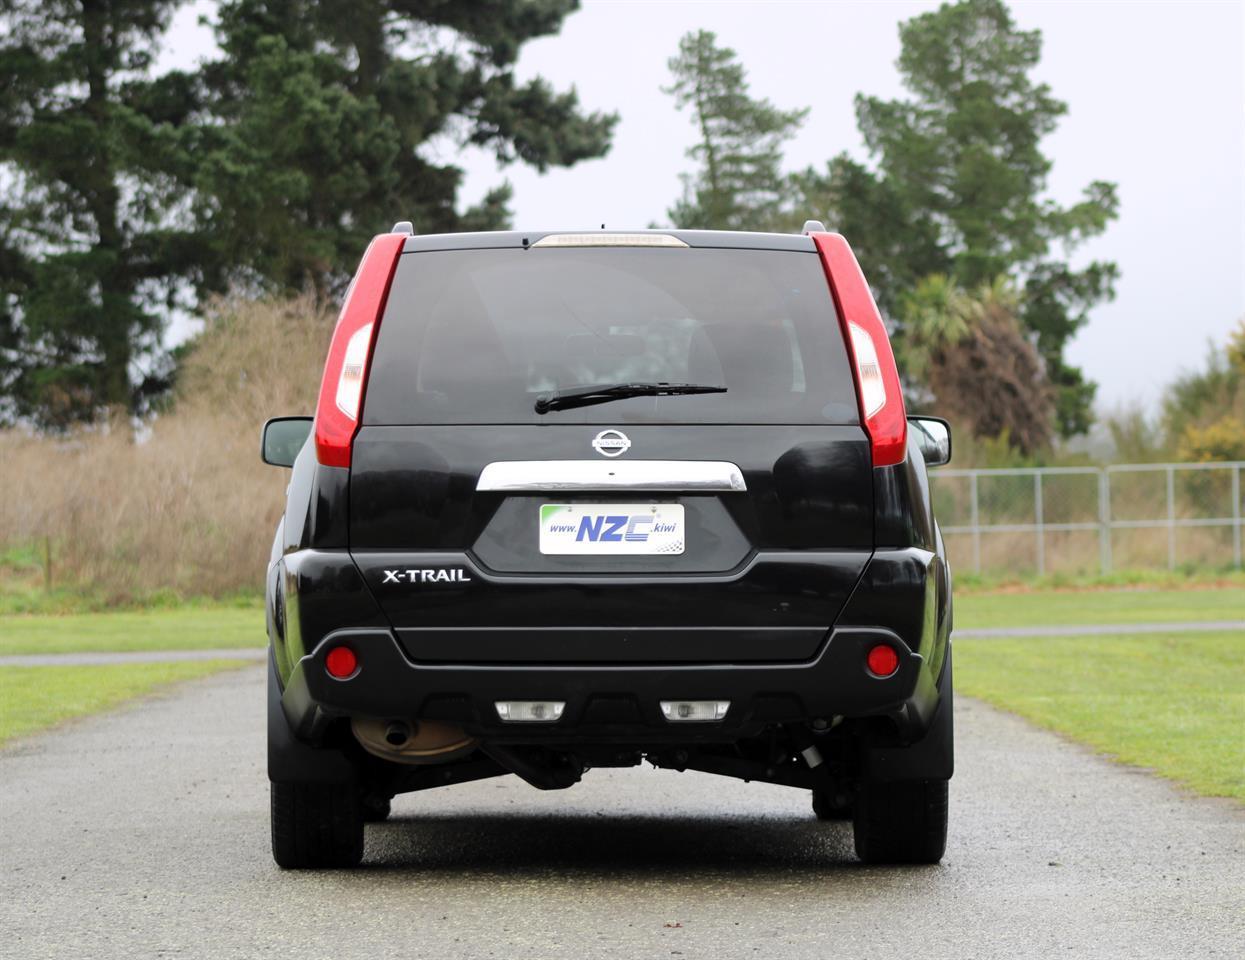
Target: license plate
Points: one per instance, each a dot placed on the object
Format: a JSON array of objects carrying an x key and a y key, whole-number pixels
[{"x": 614, "y": 529}]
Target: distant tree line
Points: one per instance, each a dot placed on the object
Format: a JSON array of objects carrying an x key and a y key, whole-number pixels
[
  {"x": 1201, "y": 415},
  {"x": 126, "y": 195},
  {"x": 967, "y": 258}
]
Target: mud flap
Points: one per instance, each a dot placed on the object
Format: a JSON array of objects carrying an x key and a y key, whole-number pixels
[
  {"x": 292, "y": 761},
  {"x": 930, "y": 758}
]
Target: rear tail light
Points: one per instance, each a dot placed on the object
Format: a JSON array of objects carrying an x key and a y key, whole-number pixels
[
  {"x": 345, "y": 370},
  {"x": 877, "y": 378}
]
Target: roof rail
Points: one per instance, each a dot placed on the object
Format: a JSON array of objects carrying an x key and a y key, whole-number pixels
[
  {"x": 405, "y": 227},
  {"x": 813, "y": 226}
]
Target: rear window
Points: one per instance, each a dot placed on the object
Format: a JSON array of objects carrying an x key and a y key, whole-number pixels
[{"x": 475, "y": 336}]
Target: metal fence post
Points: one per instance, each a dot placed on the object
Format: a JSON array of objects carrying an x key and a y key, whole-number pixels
[
  {"x": 1104, "y": 521},
  {"x": 1236, "y": 516},
  {"x": 973, "y": 517},
  {"x": 1171, "y": 517},
  {"x": 1037, "y": 523}
]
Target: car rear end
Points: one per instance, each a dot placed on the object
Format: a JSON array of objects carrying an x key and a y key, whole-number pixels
[{"x": 483, "y": 571}]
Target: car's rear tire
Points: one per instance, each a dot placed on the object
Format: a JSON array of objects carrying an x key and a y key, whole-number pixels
[
  {"x": 316, "y": 825},
  {"x": 901, "y": 822},
  {"x": 376, "y": 810}
]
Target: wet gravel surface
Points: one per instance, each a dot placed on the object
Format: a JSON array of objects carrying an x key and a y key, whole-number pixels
[{"x": 144, "y": 833}]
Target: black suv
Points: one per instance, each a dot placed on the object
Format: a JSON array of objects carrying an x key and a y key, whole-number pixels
[{"x": 575, "y": 500}]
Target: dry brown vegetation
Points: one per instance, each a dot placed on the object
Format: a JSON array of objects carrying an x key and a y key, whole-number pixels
[{"x": 189, "y": 507}]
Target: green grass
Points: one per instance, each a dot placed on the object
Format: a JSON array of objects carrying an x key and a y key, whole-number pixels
[
  {"x": 34, "y": 698},
  {"x": 1182, "y": 578},
  {"x": 1015, "y": 609},
  {"x": 184, "y": 628},
  {"x": 1173, "y": 703}
]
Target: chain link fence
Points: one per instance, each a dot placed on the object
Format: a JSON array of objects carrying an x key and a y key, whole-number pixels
[{"x": 1089, "y": 519}]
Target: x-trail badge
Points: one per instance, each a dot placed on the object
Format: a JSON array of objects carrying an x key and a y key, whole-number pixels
[{"x": 611, "y": 443}]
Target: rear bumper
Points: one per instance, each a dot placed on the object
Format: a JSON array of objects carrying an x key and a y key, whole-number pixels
[
  {"x": 604, "y": 703},
  {"x": 901, "y": 599}
]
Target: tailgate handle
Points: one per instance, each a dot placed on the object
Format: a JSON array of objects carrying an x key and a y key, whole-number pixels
[{"x": 714, "y": 476}]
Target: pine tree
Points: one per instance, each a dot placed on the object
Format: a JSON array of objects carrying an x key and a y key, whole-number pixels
[
  {"x": 959, "y": 182},
  {"x": 740, "y": 185},
  {"x": 331, "y": 114},
  {"x": 93, "y": 250}
]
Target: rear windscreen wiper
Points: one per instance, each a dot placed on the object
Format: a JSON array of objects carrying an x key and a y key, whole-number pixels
[{"x": 605, "y": 392}]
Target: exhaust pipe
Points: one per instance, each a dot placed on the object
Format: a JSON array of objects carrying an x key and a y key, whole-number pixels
[{"x": 412, "y": 741}]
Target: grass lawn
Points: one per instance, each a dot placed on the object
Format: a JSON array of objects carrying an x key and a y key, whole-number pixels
[
  {"x": 174, "y": 628},
  {"x": 32, "y": 698},
  {"x": 1174, "y": 703},
  {"x": 1046, "y": 608},
  {"x": 1170, "y": 702}
]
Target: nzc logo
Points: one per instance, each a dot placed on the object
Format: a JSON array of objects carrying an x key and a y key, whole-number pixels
[{"x": 605, "y": 529}]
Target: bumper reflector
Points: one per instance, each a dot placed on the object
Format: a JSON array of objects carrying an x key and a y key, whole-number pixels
[
  {"x": 530, "y": 711},
  {"x": 694, "y": 711},
  {"x": 341, "y": 663},
  {"x": 882, "y": 660}
]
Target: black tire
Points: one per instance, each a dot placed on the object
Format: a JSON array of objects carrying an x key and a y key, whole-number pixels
[
  {"x": 832, "y": 805},
  {"x": 316, "y": 825},
  {"x": 375, "y": 810},
  {"x": 902, "y": 822}
]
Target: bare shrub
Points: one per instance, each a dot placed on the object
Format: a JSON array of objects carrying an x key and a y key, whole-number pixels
[
  {"x": 983, "y": 370},
  {"x": 189, "y": 507}
]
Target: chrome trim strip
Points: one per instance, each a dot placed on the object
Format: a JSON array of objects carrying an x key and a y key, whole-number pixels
[{"x": 656, "y": 475}]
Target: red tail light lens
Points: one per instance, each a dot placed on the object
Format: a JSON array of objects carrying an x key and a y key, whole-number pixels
[
  {"x": 877, "y": 378},
  {"x": 882, "y": 660},
  {"x": 345, "y": 370}
]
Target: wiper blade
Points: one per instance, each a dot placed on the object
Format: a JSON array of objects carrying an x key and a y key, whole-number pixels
[{"x": 605, "y": 392}]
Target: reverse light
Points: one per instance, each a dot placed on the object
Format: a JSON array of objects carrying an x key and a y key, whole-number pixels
[
  {"x": 354, "y": 365},
  {"x": 868, "y": 372},
  {"x": 882, "y": 660},
  {"x": 694, "y": 711},
  {"x": 530, "y": 711},
  {"x": 878, "y": 390},
  {"x": 345, "y": 371},
  {"x": 341, "y": 662}
]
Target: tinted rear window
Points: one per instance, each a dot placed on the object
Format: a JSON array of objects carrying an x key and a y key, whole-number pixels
[{"x": 475, "y": 336}]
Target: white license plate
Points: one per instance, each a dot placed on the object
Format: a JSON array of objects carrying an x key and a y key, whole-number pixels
[{"x": 614, "y": 529}]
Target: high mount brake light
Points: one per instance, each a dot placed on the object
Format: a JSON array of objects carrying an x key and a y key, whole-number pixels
[
  {"x": 345, "y": 370},
  {"x": 877, "y": 378}
]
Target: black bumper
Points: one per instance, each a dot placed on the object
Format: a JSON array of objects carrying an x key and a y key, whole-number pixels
[
  {"x": 606, "y": 703},
  {"x": 902, "y": 598}
]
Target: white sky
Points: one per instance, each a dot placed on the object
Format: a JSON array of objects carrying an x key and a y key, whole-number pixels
[{"x": 1156, "y": 95}]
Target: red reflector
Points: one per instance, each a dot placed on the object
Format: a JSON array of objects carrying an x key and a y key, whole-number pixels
[
  {"x": 882, "y": 660},
  {"x": 341, "y": 662}
]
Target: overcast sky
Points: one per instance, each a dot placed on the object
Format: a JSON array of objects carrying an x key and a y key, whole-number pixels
[{"x": 1156, "y": 95}]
